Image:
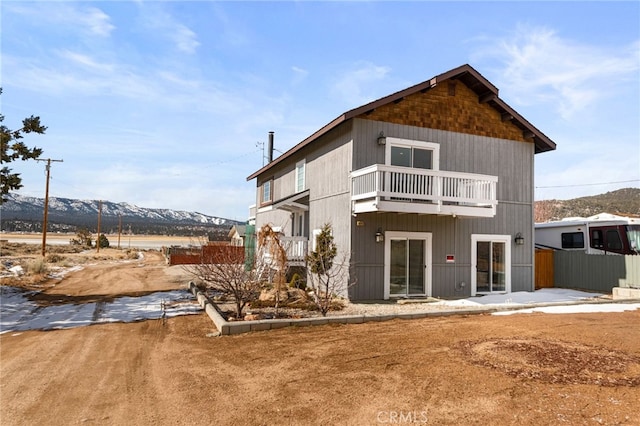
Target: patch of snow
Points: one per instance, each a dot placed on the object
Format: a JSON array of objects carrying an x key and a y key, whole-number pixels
[
  {"x": 19, "y": 313},
  {"x": 576, "y": 309},
  {"x": 59, "y": 272},
  {"x": 545, "y": 295},
  {"x": 16, "y": 270}
]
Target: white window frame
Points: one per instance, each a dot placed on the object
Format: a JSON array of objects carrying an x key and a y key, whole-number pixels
[
  {"x": 427, "y": 237},
  {"x": 408, "y": 143},
  {"x": 506, "y": 239},
  {"x": 300, "y": 176},
  {"x": 297, "y": 223},
  {"x": 314, "y": 238}
]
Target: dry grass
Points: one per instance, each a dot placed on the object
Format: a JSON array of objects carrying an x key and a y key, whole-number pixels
[{"x": 36, "y": 269}]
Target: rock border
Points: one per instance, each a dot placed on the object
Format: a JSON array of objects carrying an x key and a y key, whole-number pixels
[{"x": 238, "y": 327}]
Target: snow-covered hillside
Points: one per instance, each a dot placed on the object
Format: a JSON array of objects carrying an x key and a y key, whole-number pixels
[{"x": 24, "y": 207}]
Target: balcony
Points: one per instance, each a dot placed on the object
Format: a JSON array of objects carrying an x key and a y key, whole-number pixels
[
  {"x": 383, "y": 188},
  {"x": 296, "y": 249}
]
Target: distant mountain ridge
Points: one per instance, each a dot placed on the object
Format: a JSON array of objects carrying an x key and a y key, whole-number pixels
[
  {"x": 20, "y": 211},
  {"x": 622, "y": 202},
  {"x": 23, "y": 213}
]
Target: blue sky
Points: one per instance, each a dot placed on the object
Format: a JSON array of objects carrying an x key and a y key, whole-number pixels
[{"x": 165, "y": 103}]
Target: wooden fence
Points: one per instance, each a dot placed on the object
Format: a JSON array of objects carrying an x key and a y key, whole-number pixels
[
  {"x": 205, "y": 254},
  {"x": 544, "y": 269},
  {"x": 594, "y": 272}
]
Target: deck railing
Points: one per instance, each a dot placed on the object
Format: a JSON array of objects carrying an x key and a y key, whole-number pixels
[
  {"x": 381, "y": 182},
  {"x": 296, "y": 248}
]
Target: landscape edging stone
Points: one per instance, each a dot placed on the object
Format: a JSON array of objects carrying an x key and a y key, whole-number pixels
[{"x": 237, "y": 327}]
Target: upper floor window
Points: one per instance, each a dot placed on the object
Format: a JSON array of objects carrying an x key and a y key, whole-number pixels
[
  {"x": 266, "y": 195},
  {"x": 300, "y": 176},
  {"x": 410, "y": 153}
]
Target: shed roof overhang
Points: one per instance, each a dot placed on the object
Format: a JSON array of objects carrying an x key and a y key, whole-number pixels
[
  {"x": 486, "y": 91},
  {"x": 294, "y": 203}
]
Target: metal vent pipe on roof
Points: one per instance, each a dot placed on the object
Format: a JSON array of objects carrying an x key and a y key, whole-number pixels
[{"x": 270, "y": 147}]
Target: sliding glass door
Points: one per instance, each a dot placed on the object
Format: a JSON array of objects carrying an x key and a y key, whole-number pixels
[
  {"x": 491, "y": 256},
  {"x": 408, "y": 264}
]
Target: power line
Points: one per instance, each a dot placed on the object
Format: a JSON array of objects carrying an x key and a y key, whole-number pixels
[{"x": 588, "y": 184}]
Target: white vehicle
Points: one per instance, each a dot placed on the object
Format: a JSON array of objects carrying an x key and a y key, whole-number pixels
[{"x": 600, "y": 234}]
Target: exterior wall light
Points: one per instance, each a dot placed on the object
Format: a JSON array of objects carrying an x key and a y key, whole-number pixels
[
  {"x": 382, "y": 139},
  {"x": 519, "y": 239},
  {"x": 379, "y": 236}
]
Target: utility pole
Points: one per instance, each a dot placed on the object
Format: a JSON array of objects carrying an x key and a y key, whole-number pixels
[
  {"x": 46, "y": 204},
  {"x": 99, "y": 217},
  {"x": 119, "y": 229}
]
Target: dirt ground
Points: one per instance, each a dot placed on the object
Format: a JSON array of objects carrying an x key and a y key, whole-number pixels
[{"x": 521, "y": 369}]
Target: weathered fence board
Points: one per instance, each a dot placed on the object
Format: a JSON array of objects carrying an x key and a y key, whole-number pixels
[
  {"x": 632, "y": 263},
  {"x": 544, "y": 269},
  {"x": 595, "y": 272}
]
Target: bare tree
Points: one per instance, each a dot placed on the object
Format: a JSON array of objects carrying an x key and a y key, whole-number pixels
[
  {"x": 224, "y": 269},
  {"x": 273, "y": 257},
  {"x": 327, "y": 278}
]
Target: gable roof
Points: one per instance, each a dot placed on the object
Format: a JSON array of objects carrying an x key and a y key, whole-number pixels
[{"x": 466, "y": 74}]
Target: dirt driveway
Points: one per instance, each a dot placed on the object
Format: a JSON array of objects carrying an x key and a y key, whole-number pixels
[{"x": 481, "y": 369}]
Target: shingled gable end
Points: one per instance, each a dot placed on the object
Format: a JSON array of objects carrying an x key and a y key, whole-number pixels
[{"x": 443, "y": 168}]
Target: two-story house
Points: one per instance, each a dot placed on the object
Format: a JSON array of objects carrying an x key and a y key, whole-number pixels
[{"x": 430, "y": 191}]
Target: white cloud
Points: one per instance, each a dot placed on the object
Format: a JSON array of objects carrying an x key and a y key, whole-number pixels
[
  {"x": 357, "y": 86},
  {"x": 77, "y": 73},
  {"x": 85, "y": 61},
  {"x": 539, "y": 66},
  {"x": 185, "y": 39},
  {"x": 96, "y": 21},
  {"x": 80, "y": 74},
  {"x": 163, "y": 24},
  {"x": 87, "y": 20},
  {"x": 583, "y": 174},
  {"x": 299, "y": 74}
]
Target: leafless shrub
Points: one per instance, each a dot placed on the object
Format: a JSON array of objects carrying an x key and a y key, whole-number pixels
[
  {"x": 224, "y": 270},
  {"x": 272, "y": 256}
]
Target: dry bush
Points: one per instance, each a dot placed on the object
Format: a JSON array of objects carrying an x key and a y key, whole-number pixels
[
  {"x": 54, "y": 258},
  {"x": 63, "y": 249},
  {"x": 37, "y": 267},
  {"x": 17, "y": 249},
  {"x": 131, "y": 254},
  {"x": 226, "y": 271}
]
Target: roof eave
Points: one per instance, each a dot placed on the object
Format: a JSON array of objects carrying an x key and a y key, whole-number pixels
[
  {"x": 325, "y": 129},
  {"x": 541, "y": 141}
]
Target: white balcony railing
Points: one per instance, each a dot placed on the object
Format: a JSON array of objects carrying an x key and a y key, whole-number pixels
[
  {"x": 296, "y": 248},
  {"x": 401, "y": 189}
]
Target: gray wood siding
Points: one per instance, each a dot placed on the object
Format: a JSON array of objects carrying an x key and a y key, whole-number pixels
[
  {"x": 511, "y": 161},
  {"x": 327, "y": 178},
  {"x": 327, "y": 169},
  {"x": 450, "y": 236},
  {"x": 353, "y": 146}
]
